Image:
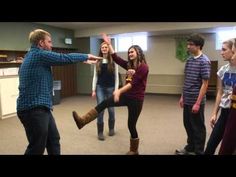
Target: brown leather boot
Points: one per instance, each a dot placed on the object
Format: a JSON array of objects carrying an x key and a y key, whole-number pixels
[
  {"x": 85, "y": 119},
  {"x": 133, "y": 147}
]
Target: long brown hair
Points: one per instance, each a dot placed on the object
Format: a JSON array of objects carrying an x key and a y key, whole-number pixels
[
  {"x": 140, "y": 57},
  {"x": 110, "y": 64}
]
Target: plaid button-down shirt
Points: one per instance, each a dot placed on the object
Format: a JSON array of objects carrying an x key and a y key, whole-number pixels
[{"x": 35, "y": 76}]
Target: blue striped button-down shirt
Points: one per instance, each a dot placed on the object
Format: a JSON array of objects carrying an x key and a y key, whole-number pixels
[
  {"x": 35, "y": 76},
  {"x": 196, "y": 70}
]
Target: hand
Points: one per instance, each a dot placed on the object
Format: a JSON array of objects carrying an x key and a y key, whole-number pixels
[
  {"x": 106, "y": 38},
  {"x": 93, "y": 94},
  {"x": 90, "y": 62},
  {"x": 131, "y": 72},
  {"x": 195, "y": 108},
  {"x": 93, "y": 57},
  {"x": 181, "y": 102},
  {"x": 116, "y": 94},
  {"x": 213, "y": 121}
]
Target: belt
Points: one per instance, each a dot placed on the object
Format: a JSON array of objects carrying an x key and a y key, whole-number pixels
[{"x": 44, "y": 108}]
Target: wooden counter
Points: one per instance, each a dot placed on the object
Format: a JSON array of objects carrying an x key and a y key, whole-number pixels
[{"x": 9, "y": 64}]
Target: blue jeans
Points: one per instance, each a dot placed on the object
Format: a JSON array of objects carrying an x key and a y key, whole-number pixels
[
  {"x": 41, "y": 131},
  {"x": 102, "y": 94}
]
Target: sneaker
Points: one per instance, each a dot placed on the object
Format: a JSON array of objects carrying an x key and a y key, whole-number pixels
[{"x": 183, "y": 152}]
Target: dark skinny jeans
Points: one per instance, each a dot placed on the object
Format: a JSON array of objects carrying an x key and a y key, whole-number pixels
[
  {"x": 217, "y": 132},
  {"x": 41, "y": 131}
]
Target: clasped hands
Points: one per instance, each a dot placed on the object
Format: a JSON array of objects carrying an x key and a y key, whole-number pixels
[{"x": 92, "y": 59}]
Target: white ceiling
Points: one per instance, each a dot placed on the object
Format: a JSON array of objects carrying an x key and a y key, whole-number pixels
[
  {"x": 152, "y": 28},
  {"x": 82, "y": 25}
]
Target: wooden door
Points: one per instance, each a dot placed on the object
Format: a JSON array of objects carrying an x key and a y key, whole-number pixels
[
  {"x": 212, "y": 86},
  {"x": 66, "y": 74}
]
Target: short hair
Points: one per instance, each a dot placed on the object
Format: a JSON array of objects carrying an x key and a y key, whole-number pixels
[
  {"x": 197, "y": 39},
  {"x": 37, "y": 35}
]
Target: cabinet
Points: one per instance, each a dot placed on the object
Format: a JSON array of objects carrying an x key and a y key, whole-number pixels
[
  {"x": 11, "y": 55},
  {"x": 9, "y": 59},
  {"x": 9, "y": 82},
  {"x": 8, "y": 96}
]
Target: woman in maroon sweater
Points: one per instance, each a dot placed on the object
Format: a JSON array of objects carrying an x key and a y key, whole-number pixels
[
  {"x": 130, "y": 95},
  {"x": 228, "y": 145}
]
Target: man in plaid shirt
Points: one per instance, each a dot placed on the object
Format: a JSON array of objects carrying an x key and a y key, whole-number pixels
[{"x": 34, "y": 103}]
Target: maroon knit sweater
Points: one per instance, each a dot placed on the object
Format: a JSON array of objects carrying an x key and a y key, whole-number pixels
[{"x": 139, "y": 80}]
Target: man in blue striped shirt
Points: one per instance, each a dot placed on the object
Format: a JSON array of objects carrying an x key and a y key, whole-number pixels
[
  {"x": 197, "y": 74},
  {"x": 34, "y": 103}
]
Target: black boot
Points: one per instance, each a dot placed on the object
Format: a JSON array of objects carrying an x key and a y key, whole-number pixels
[
  {"x": 100, "y": 131},
  {"x": 111, "y": 125}
]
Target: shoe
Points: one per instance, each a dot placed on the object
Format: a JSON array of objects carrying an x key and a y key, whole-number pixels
[
  {"x": 111, "y": 132},
  {"x": 184, "y": 152},
  {"x": 101, "y": 136}
]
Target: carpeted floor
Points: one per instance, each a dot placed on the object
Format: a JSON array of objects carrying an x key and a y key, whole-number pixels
[{"x": 160, "y": 128}]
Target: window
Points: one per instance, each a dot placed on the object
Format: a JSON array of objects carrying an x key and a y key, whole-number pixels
[
  {"x": 224, "y": 35},
  {"x": 126, "y": 40},
  {"x": 124, "y": 43}
]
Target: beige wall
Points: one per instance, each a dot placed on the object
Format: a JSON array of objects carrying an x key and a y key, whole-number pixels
[
  {"x": 166, "y": 72},
  {"x": 14, "y": 35},
  {"x": 152, "y": 27},
  {"x": 209, "y": 49},
  {"x": 84, "y": 78}
]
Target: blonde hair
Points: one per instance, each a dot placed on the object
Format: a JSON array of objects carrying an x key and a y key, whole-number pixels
[
  {"x": 37, "y": 35},
  {"x": 229, "y": 43}
]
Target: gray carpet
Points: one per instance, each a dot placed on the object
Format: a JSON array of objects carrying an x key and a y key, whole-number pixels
[{"x": 160, "y": 128}]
